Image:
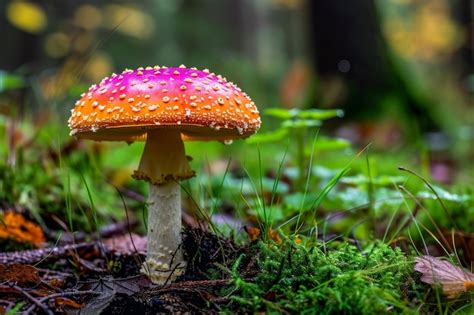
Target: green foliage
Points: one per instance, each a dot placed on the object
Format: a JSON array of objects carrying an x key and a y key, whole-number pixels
[
  {"x": 324, "y": 143},
  {"x": 268, "y": 137},
  {"x": 317, "y": 280},
  {"x": 297, "y": 119},
  {"x": 30, "y": 186},
  {"x": 10, "y": 81},
  {"x": 66, "y": 183},
  {"x": 457, "y": 205},
  {"x": 297, "y": 123},
  {"x": 295, "y": 113}
]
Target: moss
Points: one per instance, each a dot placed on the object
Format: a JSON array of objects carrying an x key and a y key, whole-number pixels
[{"x": 340, "y": 280}]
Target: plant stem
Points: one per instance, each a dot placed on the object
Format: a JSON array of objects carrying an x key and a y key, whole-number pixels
[{"x": 300, "y": 151}]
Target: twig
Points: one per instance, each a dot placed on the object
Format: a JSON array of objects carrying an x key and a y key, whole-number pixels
[
  {"x": 7, "y": 303},
  {"x": 111, "y": 279},
  {"x": 35, "y": 255},
  {"x": 71, "y": 293},
  {"x": 192, "y": 284},
  {"x": 63, "y": 294},
  {"x": 32, "y": 299},
  {"x": 51, "y": 271}
]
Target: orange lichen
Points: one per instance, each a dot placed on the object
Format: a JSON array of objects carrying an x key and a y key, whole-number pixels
[
  {"x": 274, "y": 236},
  {"x": 469, "y": 285},
  {"x": 255, "y": 233},
  {"x": 15, "y": 226},
  {"x": 298, "y": 240}
]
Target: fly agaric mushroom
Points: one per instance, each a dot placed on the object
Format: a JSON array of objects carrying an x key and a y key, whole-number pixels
[{"x": 164, "y": 106}]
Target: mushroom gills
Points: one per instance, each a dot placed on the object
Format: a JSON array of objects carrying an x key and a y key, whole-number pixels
[{"x": 163, "y": 158}]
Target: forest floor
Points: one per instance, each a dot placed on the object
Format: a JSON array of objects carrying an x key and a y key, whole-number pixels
[{"x": 288, "y": 232}]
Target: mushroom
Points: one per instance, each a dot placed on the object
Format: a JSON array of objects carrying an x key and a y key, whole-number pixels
[{"x": 164, "y": 107}]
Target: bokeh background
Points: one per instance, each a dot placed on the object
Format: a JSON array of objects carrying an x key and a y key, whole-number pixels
[{"x": 402, "y": 70}]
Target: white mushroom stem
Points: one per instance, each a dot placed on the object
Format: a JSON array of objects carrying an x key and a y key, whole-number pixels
[
  {"x": 164, "y": 253},
  {"x": 163, "y": 163}
]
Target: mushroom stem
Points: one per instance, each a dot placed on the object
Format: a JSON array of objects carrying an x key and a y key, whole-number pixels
[
  {"x": 163, "y": 163},
  {"x": 164, "y": 254}
]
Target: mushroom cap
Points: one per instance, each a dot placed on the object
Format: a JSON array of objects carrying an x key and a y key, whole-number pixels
[{"x": 200, "y": 104}]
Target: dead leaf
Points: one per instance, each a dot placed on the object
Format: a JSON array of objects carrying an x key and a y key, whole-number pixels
[
  {"x": 95, "y": 305},
  {"x": 454, "y": 280},
  {"x": 88, "y": 265},
  {"x": 21, "y": 274},
  {"x": 128, "y": 244},
  {"x": 6, "y": 289},
  {"x": 57, "y": 283},
  {"x": 60, "y": 301},
  {"x": 41, "y": 291},
  {"x": 109, "y": 288}
]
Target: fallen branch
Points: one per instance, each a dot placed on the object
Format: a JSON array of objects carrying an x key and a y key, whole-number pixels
[
  {"x": 36, "y": 302},
  {"x": 33, "y": 256}
]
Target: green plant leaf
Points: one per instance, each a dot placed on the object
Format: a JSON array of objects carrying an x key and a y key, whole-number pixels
[
  {"x": 443, "y": 194},
  {"x": 267, "y": 137},
  {"x": 327, "y": 143},
  {"x": 10, "y": 81},
  {"x": 294, "y": 113},
  {"x": 301, "y": 123},
  {"x": 384, "y": 180}
]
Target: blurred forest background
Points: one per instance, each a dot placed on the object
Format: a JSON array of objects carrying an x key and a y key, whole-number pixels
[{"x": 403, "y": 70}]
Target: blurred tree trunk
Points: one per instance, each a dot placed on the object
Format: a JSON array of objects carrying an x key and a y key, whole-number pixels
[
  {"x": 349, "y": 46},
  {"x": 464, "y": 13},
  {"x": 19, "y": 47}
]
